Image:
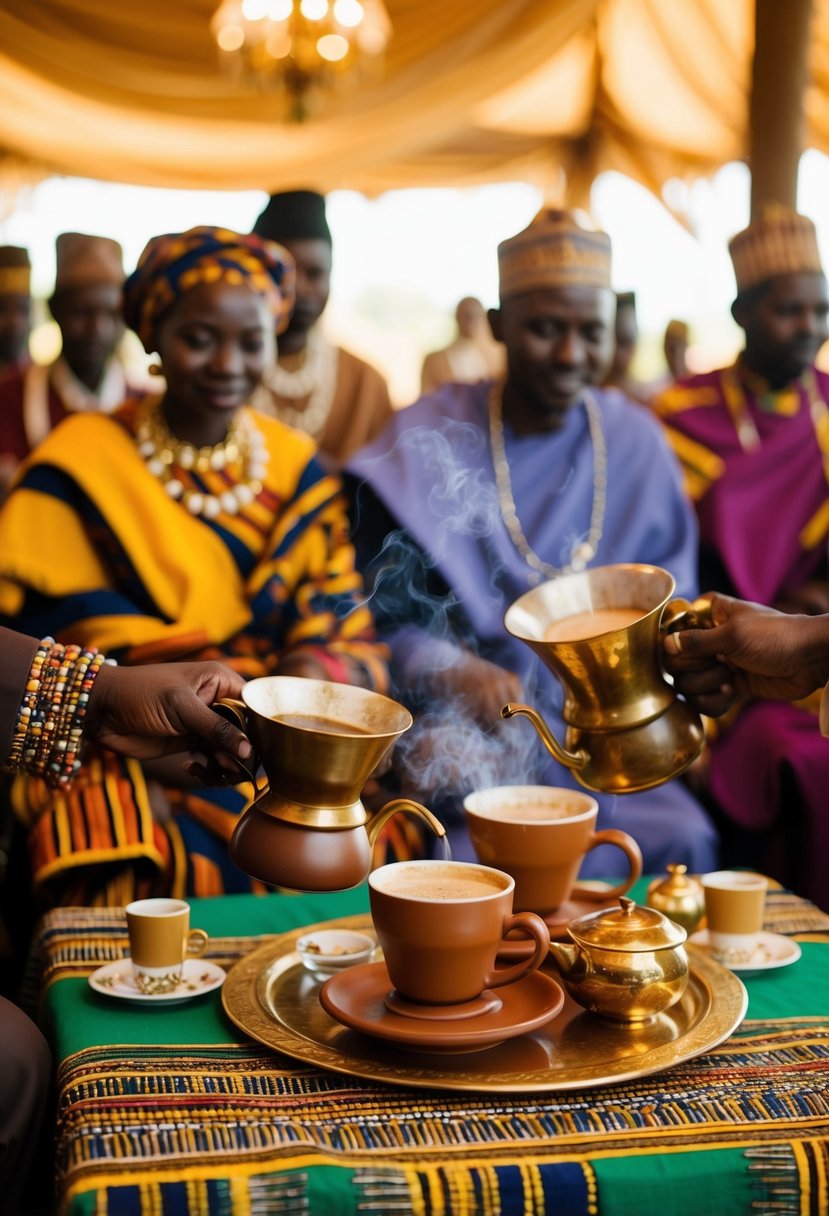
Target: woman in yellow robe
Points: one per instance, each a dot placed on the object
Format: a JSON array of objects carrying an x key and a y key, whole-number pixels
[{"x": 182, "y": 526}]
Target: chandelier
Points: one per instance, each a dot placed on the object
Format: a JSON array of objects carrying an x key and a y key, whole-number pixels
[{"x": 304, "y": 47}]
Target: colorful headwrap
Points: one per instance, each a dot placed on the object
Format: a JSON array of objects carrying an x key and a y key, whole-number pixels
[
  {"x": 554, "y": 251},
  {"x": 779, "y": 242},
  {"x": 174, "y": 264}
]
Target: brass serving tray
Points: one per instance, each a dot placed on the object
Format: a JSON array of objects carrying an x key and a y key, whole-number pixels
[{"x": 273, "y": 999}]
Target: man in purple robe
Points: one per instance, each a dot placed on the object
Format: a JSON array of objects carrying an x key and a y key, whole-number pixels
[
  {"x": 753, "y": 439},
  {"x": 476, "y": 493}
]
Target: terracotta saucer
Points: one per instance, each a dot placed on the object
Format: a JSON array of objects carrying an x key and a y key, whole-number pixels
[
  {"x": 515, "y": 948},
  {"x": 357, "y": 999}
]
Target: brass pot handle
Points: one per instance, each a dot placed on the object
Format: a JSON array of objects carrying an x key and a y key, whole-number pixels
[
  {"x": 236, "y": 712},
  {"x": 385, "y": 813},
  {"x": 682, "y": 614}
]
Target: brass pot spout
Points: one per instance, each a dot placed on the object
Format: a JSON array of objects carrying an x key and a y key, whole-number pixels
[{"x": 574, "y": 760}]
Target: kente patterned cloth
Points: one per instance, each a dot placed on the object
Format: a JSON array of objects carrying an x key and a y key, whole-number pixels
[
  {"x": 95, "y": 551},
  {"x": 743, "y": 447},
  {"x": 170, "y": 1112}
]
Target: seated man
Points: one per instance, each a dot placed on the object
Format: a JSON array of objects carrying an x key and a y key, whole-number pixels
[
  {"x": 86, "y": 304},
  {"x": 326, "y": 391},
  {"x": 753, "y": 439},
  {"x": 476, "y": 493}
]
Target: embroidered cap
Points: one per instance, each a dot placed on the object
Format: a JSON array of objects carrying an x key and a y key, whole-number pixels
[
  {"x": 15, "y": 271},
  {"x": 87, "y": 261},
  {"x": 554, "y": 251},
  {"x": 779, "y": 242}
]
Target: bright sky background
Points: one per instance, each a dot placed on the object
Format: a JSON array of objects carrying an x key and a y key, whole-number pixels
[{"x": 403, "y": 260}]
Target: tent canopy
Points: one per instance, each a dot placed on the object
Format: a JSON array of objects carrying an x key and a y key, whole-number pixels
[{"x": 548, "y": 91}]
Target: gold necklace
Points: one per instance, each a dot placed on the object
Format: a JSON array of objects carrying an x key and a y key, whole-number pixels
[
  {"x": 164, "y": 455},
  {"x": 584, "y": 551}
]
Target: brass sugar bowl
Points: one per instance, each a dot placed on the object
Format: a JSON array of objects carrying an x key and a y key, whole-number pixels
[
  {"x": 627, "y": 964},
  {"x": 679, "y": 896}
]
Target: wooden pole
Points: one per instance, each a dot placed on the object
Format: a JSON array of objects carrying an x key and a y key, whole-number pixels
[{"x": 778, "y": 81}]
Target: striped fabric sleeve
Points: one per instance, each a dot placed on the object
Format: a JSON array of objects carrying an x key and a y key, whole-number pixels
[{"x": 310, "y": 584}]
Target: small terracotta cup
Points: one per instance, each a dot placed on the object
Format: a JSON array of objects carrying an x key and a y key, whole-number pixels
[
  {"x": 441, "y": 924},
  {"x": 540, "y": 834},
  {"x": 735, "y": 901},
  {"x": 160, "y": 940}
]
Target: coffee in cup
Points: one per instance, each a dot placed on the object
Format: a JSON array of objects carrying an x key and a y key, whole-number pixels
[
  {"x": 160, "y": 940},
  {"x": 540, "y": 834},
  {"x": 735, "y": 901},
  {"x": 440, "y": 925}
]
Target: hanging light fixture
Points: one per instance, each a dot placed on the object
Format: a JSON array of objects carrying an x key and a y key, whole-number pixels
[{"x": 301, "y": 46}]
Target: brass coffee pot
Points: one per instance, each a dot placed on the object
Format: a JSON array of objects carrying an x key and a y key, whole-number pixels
[
  {"x": 626, "y": 728},
  {"x": 318, "y": 743},
  {"x": 627, "y": 963}
]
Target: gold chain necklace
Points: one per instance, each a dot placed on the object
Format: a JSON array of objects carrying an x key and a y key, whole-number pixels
[{"x": 584, "y": 551}]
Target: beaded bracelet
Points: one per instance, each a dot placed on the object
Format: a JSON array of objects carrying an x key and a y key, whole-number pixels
[
  {"x": 50, "y": 721},
  {"x": 28, "y": 705}
]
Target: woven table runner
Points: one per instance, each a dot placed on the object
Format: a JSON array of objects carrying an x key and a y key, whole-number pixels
[{"x": 213, "y": 1125}]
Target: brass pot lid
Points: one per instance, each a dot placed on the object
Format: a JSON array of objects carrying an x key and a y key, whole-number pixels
[
  {"x": 629, "y": 927},
  {"x": 677, "y": 883}
]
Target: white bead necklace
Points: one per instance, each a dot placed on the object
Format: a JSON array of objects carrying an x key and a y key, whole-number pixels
[
  {"x": 583, "y": 551},
  {"x": 316, "y": 380},
  {"x": 163, "y": 455}
]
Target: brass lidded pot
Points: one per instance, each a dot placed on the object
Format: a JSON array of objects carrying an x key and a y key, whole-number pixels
[
  {"x": 626, "y": 964},
  {"x": 679, "y": 896}
]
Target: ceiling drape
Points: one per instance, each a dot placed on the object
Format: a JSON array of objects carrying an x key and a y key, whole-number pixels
[{"x": 550, "y": 91}]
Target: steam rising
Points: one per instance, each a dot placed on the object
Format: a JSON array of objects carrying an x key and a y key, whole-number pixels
[{"x": 452, "y": 748}]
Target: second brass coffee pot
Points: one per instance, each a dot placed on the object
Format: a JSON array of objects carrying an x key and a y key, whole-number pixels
[{"x": 600, "y": 632}]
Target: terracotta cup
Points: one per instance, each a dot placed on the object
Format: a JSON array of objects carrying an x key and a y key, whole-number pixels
[
  {"x": 734, "y": 904},
  {"x": 540, "y": 834},
  {"x": 441, "y": 923},
  {"x": 160, "y": 940}
]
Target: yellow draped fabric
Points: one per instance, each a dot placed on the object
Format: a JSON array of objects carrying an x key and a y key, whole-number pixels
[{"x": 547, "y": 90}]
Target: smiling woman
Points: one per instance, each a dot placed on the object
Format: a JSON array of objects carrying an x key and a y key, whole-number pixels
[{"x": 183, "y": 525}]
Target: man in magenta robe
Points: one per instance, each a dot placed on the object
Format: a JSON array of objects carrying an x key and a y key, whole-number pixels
[
  {"x": 753, "y": 439},
  {"x": 476, "y": 493}
]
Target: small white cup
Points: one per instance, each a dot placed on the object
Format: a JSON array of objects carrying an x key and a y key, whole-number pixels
[
  {"x": 734, "y": 904},
  {"x": 160, "y": 940}
]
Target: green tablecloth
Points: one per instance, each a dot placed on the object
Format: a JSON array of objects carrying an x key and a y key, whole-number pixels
[{"x": 170, "y": 1112}]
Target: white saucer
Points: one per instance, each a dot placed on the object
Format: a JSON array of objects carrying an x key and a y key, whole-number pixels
[
  {"x": 197, "y": 977},
  {"x": 772, "y": 951}
]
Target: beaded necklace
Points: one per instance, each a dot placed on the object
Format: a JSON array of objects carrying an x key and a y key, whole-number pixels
[
  {"x": 166, "y": 456},
  {"x": 316, "y": 380},
  {"x": 584, "y": 551}
]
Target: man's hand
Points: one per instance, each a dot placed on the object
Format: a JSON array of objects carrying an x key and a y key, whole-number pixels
[
  {"x": 482, "y": 687},
  {"x": 752, "y": 651}
]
